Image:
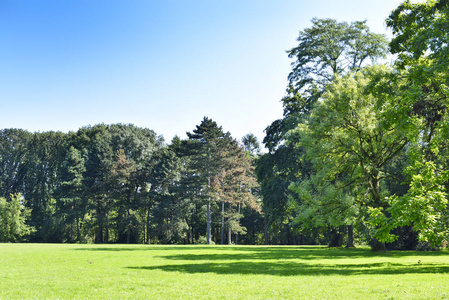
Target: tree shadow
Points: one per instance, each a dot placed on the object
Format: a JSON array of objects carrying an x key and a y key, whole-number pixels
[
  {"x": 213, "y": 253},
  {"x": 146, "y": 248},
  {"x": 279, "y": 260},
  {"x": 298, "y": 252},
  {"x": 301, "y": 269}
]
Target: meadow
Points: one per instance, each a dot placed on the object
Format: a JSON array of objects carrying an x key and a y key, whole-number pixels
[{"x": 77, "y": 271}]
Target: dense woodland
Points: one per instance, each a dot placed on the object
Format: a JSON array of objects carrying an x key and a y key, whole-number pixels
[{"x": 360, "y": 156}]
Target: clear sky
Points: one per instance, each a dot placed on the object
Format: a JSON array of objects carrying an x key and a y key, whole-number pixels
[{"x": 159, "y": 64}]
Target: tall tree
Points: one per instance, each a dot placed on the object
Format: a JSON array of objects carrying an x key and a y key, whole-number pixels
[
  {"x": 207, "y": 140},
  {"x": 327, "y": 49},
  {"x": 71, "y": 202},
  {"x": 14, "y": 149},
  {"x": 350, "y": 138},
  {"x": 44, "y": 163},
  {"x": 235, "y": 185},
  {"x": 172, "y": 210},
  {"x": 421, "y": 43}
]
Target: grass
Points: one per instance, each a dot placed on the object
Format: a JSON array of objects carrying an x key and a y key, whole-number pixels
[{"x": 55, "y": 271}]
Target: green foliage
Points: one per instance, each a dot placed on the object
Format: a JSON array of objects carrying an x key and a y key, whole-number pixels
[
  {"x": 424, "y": 206},
  {"x": 420, "y": 29},
  {"x": 326, "y": 50},
  {"x": 251, "y": 143},
  {"x": 350, "y": 138},
  {"x": 14, "y": 148},
  {"x": 13, "y": 217},
  {"x": 421, "y": 44},
  {"x": 330, "y": 48}
]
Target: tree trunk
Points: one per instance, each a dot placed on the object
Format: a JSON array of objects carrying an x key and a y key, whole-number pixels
[
  {"x": 106, "y": 238},
  {"x": 222, "y": 222},
  {"x": 99, "y": 238},
  {"x": 229, "y": 227},
  {"x": 266, "y": 228},
  {"x": 334, "y": 237},
  {"x": 192, "y": 234},
  {"x": 71, "y": 225},
  {"x": 71, "y": 232},
  {"x": 350, "y": 243},
  {"x": 208, "y": 227},
  {"x": 78, "y": 234},
  {"x": 378, "y": 246},
  {"x": 208, "y": 217},
  {"x": 128, "y": 231},
  {"x": 148, "y": 241},
  {"x": 238, "y": 222}
]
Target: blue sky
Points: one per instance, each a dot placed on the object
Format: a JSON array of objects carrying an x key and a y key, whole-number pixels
[{"x": 162, "y": 65}]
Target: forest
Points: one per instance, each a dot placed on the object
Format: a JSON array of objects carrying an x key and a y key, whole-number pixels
[{"x": 360, "y": 156}]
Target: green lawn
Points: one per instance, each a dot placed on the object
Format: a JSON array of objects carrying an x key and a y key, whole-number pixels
[{"x": 69, "y": 271}]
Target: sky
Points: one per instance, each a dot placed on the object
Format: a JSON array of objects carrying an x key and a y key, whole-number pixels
[{"x": 161, "y": 64}]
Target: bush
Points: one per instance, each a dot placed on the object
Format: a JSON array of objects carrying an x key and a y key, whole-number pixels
[{"x": 203, "y": 240}]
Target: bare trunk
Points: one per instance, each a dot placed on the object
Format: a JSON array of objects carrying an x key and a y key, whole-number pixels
[
  {"x": 148, "y": 227},
  {"x": 350, "y": 243},
  {"x": 208, "y": 217},
  {"x": 71, "y": 226},
  {"x": 238, "y": 222},
  {"x": 378, "y": 246},
  {"x": 229, "y": 227},
  {"x": 78, "y": 234},
  {"x": 208, "y": 228},
  {"x": 266, "y": 228},
  {"x": 128, "y": 230},
  {"x": 222, "y": 222},
  {"x": 106, "y": 239},
  {"x": 99, "y": 238},
  {"x": 335, "y": 237},
  {"x": 71, "y": 232}
]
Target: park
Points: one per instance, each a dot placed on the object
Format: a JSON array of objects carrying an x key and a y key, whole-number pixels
[
  {"x": 345, "y": 197},
  {"x": 74, "y": 271}
]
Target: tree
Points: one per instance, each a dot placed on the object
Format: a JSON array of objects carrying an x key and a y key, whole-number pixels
[
  {"x": 420, "y": 31},
  {"x": 421, "y": 43},
  {"x": 331, "y": 48},
  {"x": 172, "y": 206},
  {"x": 45, "y": 158},
  {"x": 123, "y": 188},
  {"x": 13, "y": 216},
  {"x": 350, "y": 138},
  {"x": 207, "y": 139},
  {"x": 251, "y": 143},
  {"x": 325, "y": 50},
  {"x": 234, "y": 186},
  {"x": 70, "y": 201},
  {"x": 13, "y": 156},
  {"x": 116, "y": 176}
]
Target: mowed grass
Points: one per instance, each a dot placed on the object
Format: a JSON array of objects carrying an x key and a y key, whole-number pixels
[{"x": 67, "y": 271}]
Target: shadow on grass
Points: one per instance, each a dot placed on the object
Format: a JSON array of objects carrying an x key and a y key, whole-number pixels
[
  {"x": 213, "y": 253},
  {"x": 298, "y": 269},
  {"x": 113, "y": 247}
]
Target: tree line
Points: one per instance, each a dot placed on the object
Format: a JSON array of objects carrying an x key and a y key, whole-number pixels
[
  {"x": 360, "y": 155},
  {"x": 121, "y": 183}
]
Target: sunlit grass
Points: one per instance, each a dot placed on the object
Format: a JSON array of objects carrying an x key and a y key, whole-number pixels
[{"x": 43, "y": 271}]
